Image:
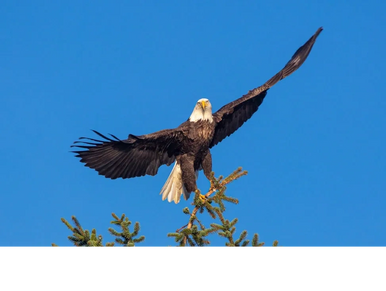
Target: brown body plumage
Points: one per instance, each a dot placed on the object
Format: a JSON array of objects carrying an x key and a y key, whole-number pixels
[{"x": 188, "y": 145}]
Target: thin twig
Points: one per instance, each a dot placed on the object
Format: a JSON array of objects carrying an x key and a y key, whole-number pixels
[{"x": 181, "y": 228}]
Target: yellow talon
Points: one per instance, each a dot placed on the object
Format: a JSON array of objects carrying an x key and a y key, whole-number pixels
[{"x": 203, "y": 198}]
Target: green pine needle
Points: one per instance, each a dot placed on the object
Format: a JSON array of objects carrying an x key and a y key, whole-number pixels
[
  {"x": 140, "y": 239},
  {"x": 67, "y": 224},
  {"x": 116, "y": 217},
  {"x": 233, "y": 222},
  {"x": 120, "y": 241},
  {"x": 222, "y": 234},
  {"x": 217, "y": 226},
  {"x": 114, "y": 232}
]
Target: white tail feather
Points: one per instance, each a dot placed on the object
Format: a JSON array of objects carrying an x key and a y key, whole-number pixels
[{"x": 174, "y": 188}]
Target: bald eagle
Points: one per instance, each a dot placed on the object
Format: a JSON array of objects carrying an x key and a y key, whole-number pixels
[{"x": 188, "y": 145}]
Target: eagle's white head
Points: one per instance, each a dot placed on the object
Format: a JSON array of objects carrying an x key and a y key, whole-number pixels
[{"x": 202, "y": 111}]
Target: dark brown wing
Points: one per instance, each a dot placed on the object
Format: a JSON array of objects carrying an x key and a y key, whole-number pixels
[
  {"x": 132, "y": 157},
  {"x": 231, "y": 116}
]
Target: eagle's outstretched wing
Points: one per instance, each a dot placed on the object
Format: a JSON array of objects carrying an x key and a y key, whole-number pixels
[
  {"x": 133, "y": 157},
  {"x": 231, "y": 116}
]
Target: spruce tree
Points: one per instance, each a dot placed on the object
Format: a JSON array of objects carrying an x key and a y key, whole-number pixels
[{"x": 194, "y": 233}]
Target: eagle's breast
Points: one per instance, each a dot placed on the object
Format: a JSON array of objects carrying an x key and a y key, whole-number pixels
[{"x": 204, "y": 130}]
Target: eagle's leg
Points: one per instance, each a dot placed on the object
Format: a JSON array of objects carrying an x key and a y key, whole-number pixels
[
  {"x": 207, "y": 167},
  {"x": 188, "y": 173}
]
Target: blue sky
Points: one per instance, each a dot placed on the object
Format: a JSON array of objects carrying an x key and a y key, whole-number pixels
[{"x": 315, "y": 150}]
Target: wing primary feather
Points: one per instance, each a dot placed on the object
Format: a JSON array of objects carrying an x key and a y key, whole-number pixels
[
  {"x": 85, "y": 142},
  {"x": 101, "y": 135},
  {"x": 80, "y": 146},
  {"x": 97, "y": 140},
  {"x": 114, "y": 137},
  {"x": 297, "y": 59}
]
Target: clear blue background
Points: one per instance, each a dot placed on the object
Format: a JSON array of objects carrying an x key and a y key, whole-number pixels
[{"x": 315, "y": 150}]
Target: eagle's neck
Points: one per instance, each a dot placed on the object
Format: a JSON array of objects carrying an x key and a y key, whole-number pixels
[{"x": 199, "y": 114}]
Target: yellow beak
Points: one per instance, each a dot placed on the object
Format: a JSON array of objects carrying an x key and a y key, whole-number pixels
[{"x": 203, "y": 104}]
